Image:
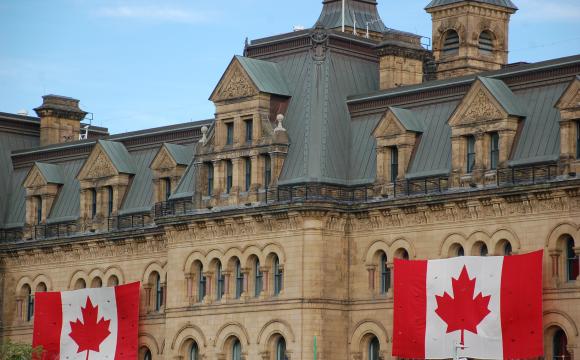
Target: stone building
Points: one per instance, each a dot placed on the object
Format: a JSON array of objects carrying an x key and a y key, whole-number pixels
[{"x": 274, "y": 225}]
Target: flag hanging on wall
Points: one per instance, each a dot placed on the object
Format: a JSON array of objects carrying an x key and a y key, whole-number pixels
[
  {"x": 482, "y": 307},
  {"x": 88, "y": 324}
]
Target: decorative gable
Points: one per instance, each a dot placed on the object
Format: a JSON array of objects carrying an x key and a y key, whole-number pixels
[
  {"x": 98, "y": 165},
  {"x": 163, "y": 160},
  {"x": 234, "y": 84},
  {"x": 34, "y": 179},
  {"x": 388, "y": 126},
  {"x": 477, "y": 106},
  {"x": 569, "y": 106},
  {"x": 570, "y": 99},
  {"x": 168, "y": 167},
  {"x": 42, "y": 185}
]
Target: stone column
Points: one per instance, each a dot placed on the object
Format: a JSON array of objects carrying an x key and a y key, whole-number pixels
[
  {"x": 382, "y": 164},
  {"x": 405, "y": 152},
  {"x": 480, "y": 156},
  {"x": 555, "y": 256},
  {"x": 208, "y": 288},
  {"x": 189, "y": 287},
  {"x": 371, "y": 269},
  {"x": 237, "y": 178},
  {"x": 245, "y": 290},
  {"x": 391, "y": 267},
  {"x": 227, "y": 280},
  {"x": 257, "y": 171},
  {"x": 20, "y": 308},
  {"x": 219, "y": 177},
  {"x": 147, "y": 289},
  {"x": 506, "y": 142},
  {"x": 458, "y": 154},
  {"x": 265, "y": 281}
]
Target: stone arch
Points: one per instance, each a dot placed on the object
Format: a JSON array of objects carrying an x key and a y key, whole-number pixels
[
  {"x": 450, "y": 240},
  {"x": 228, "y": 330},
  {"x": 564, "y": 321},
  {"x": 250, "y": 251},
  {"x": 94, "y": 274},
  {"x": 274, "y": 248},
  {"x": 151, "y": 267},
  {"x": 373, "y": 249},
  {"x": 79, "y": 274},
  {"x": 473, "y": 240},
  {"x": 41, "y": 278},
  {"x": 116, "y": 271},
  {"x": 401, "y": 244},
  {"x": 25, "y": 280},
  {"x": 566, "y": 228},
  {"x": 192, "y": 258},
  {"x": 214, "y": 254},
  {"x": 364, "y": 328},
  {"x": 504, "y": 234},
  {"x": 146, "y": 339},
  {"x": 229, "y": 255},
  {"x": 272, "y": 327},
  {"x": 187, "y": 332}
]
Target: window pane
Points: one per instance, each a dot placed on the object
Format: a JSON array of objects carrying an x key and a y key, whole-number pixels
[
  {"x": 229, "y": 176},
  {"x": 277, "y": 277},
  {"x": 451, "y": 43},
  {"x": 385, "y": 273},
  {"x": 494, "y": 153},
  {"x": 109, "y": 201},
  {"x": 281, "y": 349},
  {"x": 572, "y": 260},
  {"x": 267, "y": 170},
  {"x": 248, "y": 162},
  {"x": 249, "y": 130},
  {"x": 38, "y": 210},
  {"x": 229, "y": 133},
  {"x": 470, "y": 154},
  {"x": 237, "y": 350},
  {"x": 486, "y": 43},
  {"x": 193, "y": 352},
  {"x": 374, "y": 349},
  {"x": 258, "y": 280},
  {"x": 209, "y": 179},
  {"x": 93, "y": 203},
  {"x": 239, "y": 280},
  {"x": 394, "y": 164}
]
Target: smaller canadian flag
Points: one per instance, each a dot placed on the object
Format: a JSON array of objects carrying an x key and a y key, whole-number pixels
[
  {"x": 473, "y": 307},
  {"x": 88, "y": 324}
]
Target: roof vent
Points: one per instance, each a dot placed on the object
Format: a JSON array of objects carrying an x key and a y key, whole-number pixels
[
  {"x": 298, "y": 28},
  {"x": 22, "y": 112}
]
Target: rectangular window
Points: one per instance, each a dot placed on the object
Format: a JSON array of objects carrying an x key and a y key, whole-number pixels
[
  {"x": 577, "y": 139},
  {"x": 38, "y": 210},
  {"x": 220, "y": 288},
  {"x": 93, "y": 203},
  {"x": 229, "y": 175},
  {"x": 494, "y": 150},
  {"x": 267, "y": 170},
  {"x": 248, "y": 162},
  {"x": 258, "y": 283},
  {"x": 201, "y": 286},
  {"x": 209, "y": 179},
  {"x": 470, "y": 160},
  {"x": 167, "y": 186},
  {"x": 229, "y": 133},
  {"x": 239, "y": 280},
  {"x": 394, "y": 164},
  {"x": 109, "y": 200},
  {"x": 249, "y": 130}
]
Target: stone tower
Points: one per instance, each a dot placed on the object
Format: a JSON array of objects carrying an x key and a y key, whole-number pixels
[{"x": 470, "y": 36}]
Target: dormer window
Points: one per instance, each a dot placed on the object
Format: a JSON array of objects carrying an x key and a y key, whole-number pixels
[
  {"x": 38, "y": 203},
  {"x": 93, "y": 193},
  {"x": 229, "y": 133},
  {"x": 167, "y": 188},
  {"x": 229, "y": 175},
  {"x": 394, "y": 164},
  {"x": 248, "y": 178},
  {"x": 470, "y": 156},
  {"x": 110, "y": 201},
  {"x": 249, "y": 130},
  {"x": 494, "y": 150},
  {"x": 451, "y": 43},
  {"x": 486, "y": 42},
  {"x": 210, "y": 174}
]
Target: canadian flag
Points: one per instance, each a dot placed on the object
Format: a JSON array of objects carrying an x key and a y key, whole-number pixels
[
  {"x": 481, "y": 307},
  {"x": 88, "y": 324}
]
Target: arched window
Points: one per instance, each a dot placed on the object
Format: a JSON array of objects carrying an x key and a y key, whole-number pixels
[
  {"x": 158, "y": 292},
  {"x": 209, "y": 179},
  {"x": 267, "y": 170},
  {"x": 167, "y": 188},
  {"x": 29, "y": 302},
  {"x": 258, "y": 277},
  {"x": 237, "y": 350},
  {"x": 571, "y": 260},
  {"x": 201, "y": 284},
  {"x": 507, "y": 249},
  {"x": 113, "y": 281},
  {"x": 277, "y": 276},
  {"x": 109, "y": 201},
  {"x": 147, "y": 355},
  {"x": 483, "y": 250},
  {"x": 239, "y": 279},
  {"x": 374, "y": 349},
  {"x": 80, "y": 284},
  {"x": 451, "y": 43},
  {"x": 41, "y": 287},
  {"x": 560, "y": 346},
  {"x": 97, "y": 282},
  {"x": 220, "y": 279},
  {"x": 281, "y": 349},
  {"x": 394, "y": 164},
  {"x": 460, "y": 251},
  {"x": 229, "y": 175},
  {"x": 486, "y": 42},
  {"x": 38, "y": 201},
  {"x": 194, "y": 352},
  {"x": 248, "y": 173},
  {"x": 93, "y": 194},
  {"x": 385, "y": 273}
]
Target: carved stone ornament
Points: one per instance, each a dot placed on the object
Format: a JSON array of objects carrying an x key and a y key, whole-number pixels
[
  {"x": 236, "y": 86},
  {"x": 319, "y": 37},
  {"x": 164, "y": 162},
  {"x": 34, "y": 179},
  {"x": 481, "y": 109},
  {"x": 101, "y": 167}
]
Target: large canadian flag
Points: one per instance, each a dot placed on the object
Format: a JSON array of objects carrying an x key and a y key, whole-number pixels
[
  {"x": 93, "y": 324},
  {"x": 481, "y": 307}
]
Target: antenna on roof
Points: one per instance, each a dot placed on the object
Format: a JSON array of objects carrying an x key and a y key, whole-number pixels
[
  {"x": 84, "y": 133},
  {"x": 343, "y": 10},
  {"x": 354, "y": 22},
  {"x": 22, "y": 113}
]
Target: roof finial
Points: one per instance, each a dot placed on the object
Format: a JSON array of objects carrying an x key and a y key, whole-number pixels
[
  {"x": 279, "y": 119},
  {"x": 203, "y": 140}
]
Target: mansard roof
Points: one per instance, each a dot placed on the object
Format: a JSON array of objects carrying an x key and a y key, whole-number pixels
[
  {"x": 502, "y": 93},
  {"x": 360, "y": 12},
  {"x": 181, "y": 154},
  {"x": 118, "y": 155},
  {"x": 503, "y": 3},
  {"x": 52, "y": 174}
]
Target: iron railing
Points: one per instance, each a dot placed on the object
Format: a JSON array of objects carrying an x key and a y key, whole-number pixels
[
  {"x": 129, "y": 221},
  {"x": 9, "y": 235},
  {"x": 49, "y": 231},
  {"x": 422, "y": 186},
  {"x": 526, "y": 174}
]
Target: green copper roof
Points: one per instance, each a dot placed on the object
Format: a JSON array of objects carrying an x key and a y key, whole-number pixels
[
  {"x": 359, "y": 12},
  {"x": 51, "y": 173},
  {"x": 408, "y": 118},
  {"x": 119, "y": 156},
  {"x": 266, "y": 75},
  {"x": 181, "y": 154},
  {"x": 503, "y": 3},
  {"x": 502, "y": 93}
]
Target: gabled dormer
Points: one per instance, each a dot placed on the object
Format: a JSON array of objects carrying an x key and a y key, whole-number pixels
[
  {"x": 42, "y": 185},
  {"x": 168, "y": 167},
  {"x": 569, "y": 106},
  {"x": 244, "y": 152},
  {"x": 484, "y": 128},
  {"x": 397, "y": 135},
  {"x": 104, "y": 180}
]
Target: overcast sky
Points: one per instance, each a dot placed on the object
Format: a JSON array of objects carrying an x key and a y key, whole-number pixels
[{"x": 142, "y": 63}]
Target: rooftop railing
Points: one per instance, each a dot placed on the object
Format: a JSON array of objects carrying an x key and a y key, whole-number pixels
[
  {"x": 129, "y": 221},
  {"x": 49, "y": 231}
]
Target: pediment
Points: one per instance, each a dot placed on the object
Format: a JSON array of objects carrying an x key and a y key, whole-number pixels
[
  {"x": 34, "y": 178},
  {"x": 163, "y": 160},
  {"x": 570, "y": 99},
  {"x": 98, "y": 165},
  {"x": 389, "y": 125},
  {"x": 234, "y": 84},
  {"x": 478, "y": 105}
]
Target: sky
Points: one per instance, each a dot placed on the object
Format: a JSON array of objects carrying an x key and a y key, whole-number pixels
[{"x": 138, "y": 64}]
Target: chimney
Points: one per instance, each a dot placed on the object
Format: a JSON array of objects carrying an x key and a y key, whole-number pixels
[{"x": 60, "y": 119}]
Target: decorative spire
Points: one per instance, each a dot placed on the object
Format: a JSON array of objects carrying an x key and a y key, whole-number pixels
[{"x": 358, "y": 14}]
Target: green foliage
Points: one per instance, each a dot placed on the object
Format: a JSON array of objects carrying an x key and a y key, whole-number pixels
[{"x": 18, "y": 351}]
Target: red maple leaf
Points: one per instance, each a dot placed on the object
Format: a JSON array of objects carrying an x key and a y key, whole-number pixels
[
  {"x": 464, "y": 312},
  {"x": 90, "y": 334}
]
